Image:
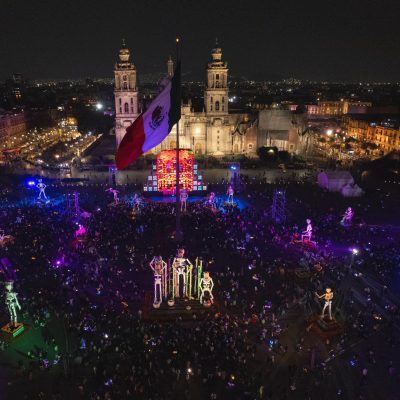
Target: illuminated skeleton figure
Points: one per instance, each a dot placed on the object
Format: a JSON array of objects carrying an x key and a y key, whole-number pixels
[
  {"x": 42, "y": 187},
  {"x": 307, "y": 234},
  {"x": 181, "y": 275},
  {"x": 159, "y": 268},
  {"x": 206, "y": 286},
  {"x": 212, "y": 200},
  {"x": 183, "y": 196},
  {"x": 136, "y": 202},
  {"x": 230, "y": 194},
  {"x": 347, "y": 217},
  {"x": 327, "y": 296},
  {"x": 115, "y": 194},
  {"x": 12, "y": 303}
]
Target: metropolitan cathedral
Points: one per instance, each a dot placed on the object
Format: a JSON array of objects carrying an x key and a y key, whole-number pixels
[{"x": 212, "y": 131}]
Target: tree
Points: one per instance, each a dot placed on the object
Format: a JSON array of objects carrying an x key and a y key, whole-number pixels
[
  {"x": 284, "y": 156},
  {"x": 267, "y": 153}
]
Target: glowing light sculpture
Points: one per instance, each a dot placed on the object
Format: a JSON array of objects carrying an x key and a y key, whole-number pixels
[
  {"x": 137, "y": 201},
  {"x": 206, "y": 287},
  {"x": 183, "y": 196},
  {"x": 212, "y": 201},
  {"x": 42, "y": 190},
  {"x": 307, "y": 234},
  {"x": 12, "y": 304},
  {"x": 347, "y": 217},
  {"x": 159, "y": 268},
  {"x": 115, "y": 194},
  {"x": 181, "y": 285},
  {"x": 327, "y": 296},
  {"x": 230, "y": 192}
]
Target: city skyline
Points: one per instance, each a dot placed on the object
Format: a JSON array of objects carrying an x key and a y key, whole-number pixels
[{"x": 264, "y": 40}]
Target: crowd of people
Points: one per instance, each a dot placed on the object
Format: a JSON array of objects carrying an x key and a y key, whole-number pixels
[{"x": 83, "y": 297}]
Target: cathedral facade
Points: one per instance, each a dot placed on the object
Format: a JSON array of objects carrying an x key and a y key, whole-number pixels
[{"x": 213, "y": 131}]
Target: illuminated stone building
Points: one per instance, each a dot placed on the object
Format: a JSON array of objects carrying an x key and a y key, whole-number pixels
[
  {"x": 341, "y": 107},
  {"x": 214, "y": 129},
  {"x": 125, "y": 93},
  {"x": 387, "y": 136},
  {"x": 381, "y": 130},
  {"x": 12, "y": 126},
  {"x": 211, "y": 130}
]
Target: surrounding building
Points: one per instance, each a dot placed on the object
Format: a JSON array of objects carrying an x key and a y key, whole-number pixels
[
  {"x": 283, "y": 129},
  {"x": 12, "y": 126},
  {"x": 387, "y": 136},
  {"x": 381, "y": 130},
  {"x": 357, "y": 126},
  {"x": 341, "y": 107}
]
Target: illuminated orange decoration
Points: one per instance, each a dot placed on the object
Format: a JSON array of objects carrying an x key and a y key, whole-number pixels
[
  {"x": 163, "y": 174},
  {"x": 166, "y": 170}
]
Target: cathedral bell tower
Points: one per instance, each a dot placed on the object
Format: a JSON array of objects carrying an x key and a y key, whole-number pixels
[
  {"x": 125, "y": 93},
  {"x": 216, "y": 93}
]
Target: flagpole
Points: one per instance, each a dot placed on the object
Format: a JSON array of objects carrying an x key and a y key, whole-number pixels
[{"x": 178, "y": 229}]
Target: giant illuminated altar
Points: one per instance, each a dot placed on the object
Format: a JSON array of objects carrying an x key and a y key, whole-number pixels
[{"x": 162, "y": 178}]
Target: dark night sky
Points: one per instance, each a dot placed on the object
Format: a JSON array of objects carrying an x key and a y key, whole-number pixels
[{"x": 324, "y": 39}]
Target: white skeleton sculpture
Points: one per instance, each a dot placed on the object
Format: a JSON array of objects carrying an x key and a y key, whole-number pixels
[
  {"x": 327, "y": 296},
  {"x": 12, "y": 303},
  {"x": 307, "y": 234},
  {"x": 181, "y": 275},
  {"x": 183, "y": 196},
  {"x": 159, "y": 268},
  {"x": 206, "y": 286},
  {"x": 230, "y": 194},
  {"x": 115, "y": 194},
  {"x": 347, "y": 217},
  {"x": 42, "y": 187}
]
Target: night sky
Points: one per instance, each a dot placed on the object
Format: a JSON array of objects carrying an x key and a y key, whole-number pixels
[{"x": 353, "y": 40}]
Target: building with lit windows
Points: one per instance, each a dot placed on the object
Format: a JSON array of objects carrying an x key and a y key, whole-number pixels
[
  {"x": 341, "y": 107},
  {"x": 382, "y": 130},
  {"x": 12, "y": 126},
  {"x": 387, "y": 136}
]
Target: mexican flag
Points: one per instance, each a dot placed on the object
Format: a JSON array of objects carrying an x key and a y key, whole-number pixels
[{"x": 152, "y": 126}]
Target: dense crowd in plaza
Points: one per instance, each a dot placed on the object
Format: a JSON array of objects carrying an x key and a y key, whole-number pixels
[{"x": 84, "y": 298}]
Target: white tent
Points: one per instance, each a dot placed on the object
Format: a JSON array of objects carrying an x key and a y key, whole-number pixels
[
  {"x": 334, "y": 180},
  {"x": 352, "y": 191}
]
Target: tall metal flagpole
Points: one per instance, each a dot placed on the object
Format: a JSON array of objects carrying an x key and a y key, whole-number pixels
[{"x": 178, "y": 229}]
